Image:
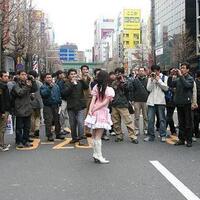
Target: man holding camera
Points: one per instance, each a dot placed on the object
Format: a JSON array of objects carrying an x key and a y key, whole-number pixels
[
  {"x": 51, "y": 96},
  {"x": 183, "y": 84},
  {"x": 120, "y": 106},
  {"x": 157, "y": 85},
  {"x": 73, "y": 92},
  {"x": 21, "y": 93}
]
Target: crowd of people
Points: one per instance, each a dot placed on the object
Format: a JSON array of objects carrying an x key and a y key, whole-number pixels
[{"x": 91, "y": 105}]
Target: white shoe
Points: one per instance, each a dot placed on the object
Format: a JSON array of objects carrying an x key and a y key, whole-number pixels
[
  {"x": 113, "y": 133},
  {"x": 102, "y": 160},
  {"x": 99, "y": 158},
  {"x": 194, "y": 139},
  {"x": 137, "y": 132}
]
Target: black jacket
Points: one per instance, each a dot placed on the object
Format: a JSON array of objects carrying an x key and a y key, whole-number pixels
[
  {"x": 198, "y": 91},
  {"x": 183, "y": 90},
  {"x": 140, "y": 93},
  {"x": 74, "y": 95},
  {"x": 5, "y": 104},
  {"x": 121, "y": 99},
  {"x": 22, "y": 101}
]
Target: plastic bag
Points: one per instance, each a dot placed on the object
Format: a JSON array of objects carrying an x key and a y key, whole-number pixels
[{"x": 9, "y": 126}]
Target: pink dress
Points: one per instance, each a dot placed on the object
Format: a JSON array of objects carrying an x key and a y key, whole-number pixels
[{"x": 103, "y": 117}]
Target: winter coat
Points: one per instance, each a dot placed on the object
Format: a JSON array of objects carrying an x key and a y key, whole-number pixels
[
  {"x": 51, "y": 95},
  {"x": 21, "y": 97},
  {"x": 198, "y": 90},
  {"x": 140, "y": 93},
  {"x": 183, "y": 90},
  {"x": 157, "y": 89},
  {"x": 121, "y": 99},
  {"x": 5, "y": 103},
  {"x": 74, "y": 95},
  {"x": 36, "y": 100}
]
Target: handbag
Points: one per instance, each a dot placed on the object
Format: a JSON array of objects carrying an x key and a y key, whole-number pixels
[
  {"x": 130, "y": 108},
  {"x": 90, "y": 120}
]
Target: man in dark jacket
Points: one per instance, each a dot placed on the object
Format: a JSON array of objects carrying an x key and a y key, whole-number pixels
[
  {"x": 23, "y": 109},
  {"x": 183, "y": 84},
  {"x": 4, "y": 108},
  {"x": 51, "y": 96},
  {"x": 73, "y": 92},
  {"x": 140, "y": 95},
  {"x": 120, "y": 106},
  {"x": 197, "y": 110}
]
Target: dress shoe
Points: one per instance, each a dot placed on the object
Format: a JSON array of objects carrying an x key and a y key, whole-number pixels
[
  {"x": 20, "y": 146},
  {"x": 73, "y": 141},
  {"x": 28, "y": 144},
  {"x": 189, "y": 144},
  {"x": 30, "y": 140},
  {"x": 178, "y": 143},
  {"x": 83, "y": 137},
  {"x": 50, "y": 139},
  {"x": 148, "y": 139},
  {"x": 60, "y": 137}
]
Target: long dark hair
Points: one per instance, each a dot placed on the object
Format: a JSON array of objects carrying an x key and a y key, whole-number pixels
[{"x": 102, "y": 83}]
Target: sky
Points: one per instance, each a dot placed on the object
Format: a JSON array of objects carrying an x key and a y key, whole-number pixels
[{"x": 73, "y": 20}]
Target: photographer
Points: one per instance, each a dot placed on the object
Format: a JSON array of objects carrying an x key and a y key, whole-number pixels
[
  {"x": 25, "y": 85},
  {"x": 73, "y": 92},
  {"x": 183, "y": 84},
  {"x": 157, "y": 85},
  {"x": 120, "y": 106},
  {"x": 51, "y": 96}
]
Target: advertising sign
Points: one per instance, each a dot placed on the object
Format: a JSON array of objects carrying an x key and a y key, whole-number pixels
[{"x": 132, "y": 18}]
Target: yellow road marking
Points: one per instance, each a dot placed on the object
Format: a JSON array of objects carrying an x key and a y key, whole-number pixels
[
  {"x": 172, "y": 140},
  {"x": 63, "y": 144},
  {"x": 35, "y": 144}
]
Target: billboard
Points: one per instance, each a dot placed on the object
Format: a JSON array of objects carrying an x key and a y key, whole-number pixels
[{"x": 132, "y": 18}]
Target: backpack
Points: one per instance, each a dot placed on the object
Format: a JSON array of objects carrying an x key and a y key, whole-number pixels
[{"x": 168, "y": 93}]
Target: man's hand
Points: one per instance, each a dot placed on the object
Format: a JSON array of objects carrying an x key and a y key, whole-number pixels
[
  {"x": 29, "y": 83},
  {"x": 179, "y": 72}
]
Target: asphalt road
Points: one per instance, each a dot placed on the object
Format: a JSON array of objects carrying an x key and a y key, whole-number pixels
[{"x": 68, "y": 172}]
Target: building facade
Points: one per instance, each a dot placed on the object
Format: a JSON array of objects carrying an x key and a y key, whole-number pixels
[
  {"x": 171, "y": 20},
  {"x": 103, "y": 29}
]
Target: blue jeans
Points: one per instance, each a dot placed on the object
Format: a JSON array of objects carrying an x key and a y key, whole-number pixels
[
  {"x": 76, "y": 120},
  {"x": 160, "y": 109}
]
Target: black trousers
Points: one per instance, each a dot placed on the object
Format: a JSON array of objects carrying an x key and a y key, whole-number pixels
[
  {"x": 23, "y": 126},
  {"x": 185, "y": 123},
  {"x": 51, "y": 115},
  {"x": 170, "y": 120},
  {"x": 196, "y": 116}
]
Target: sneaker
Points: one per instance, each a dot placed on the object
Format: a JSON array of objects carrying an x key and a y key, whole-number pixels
[
  {"x": 134, "y": 141},
  {"x": 4, "y": 148},
  {"x": 105, "y": 137},
  {"x": 178, "y": 143},
  {"x": 137, "y": 132},
  {"x": 163, "y": 139},
  {"x": 148, "y": 139},
  {"x": 113, "y": 133},
  {"x": 145, "y": 132},
  {"x": 194, "y": 139}
]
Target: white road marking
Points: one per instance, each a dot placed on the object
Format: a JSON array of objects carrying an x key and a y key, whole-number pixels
[{"x": 185, "y": 191}]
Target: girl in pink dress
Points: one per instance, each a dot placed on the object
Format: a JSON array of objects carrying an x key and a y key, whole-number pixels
[{"x": 98, "y": 115}]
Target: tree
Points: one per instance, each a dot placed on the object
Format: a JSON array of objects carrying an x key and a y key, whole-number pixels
[{"x": 183, "y": 47}]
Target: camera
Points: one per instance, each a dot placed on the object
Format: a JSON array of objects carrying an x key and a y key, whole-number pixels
[
  {"x": 120, "y": 78},
  {"x": 30, "y": 78},
  {"x": 153, "y": 75}
]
